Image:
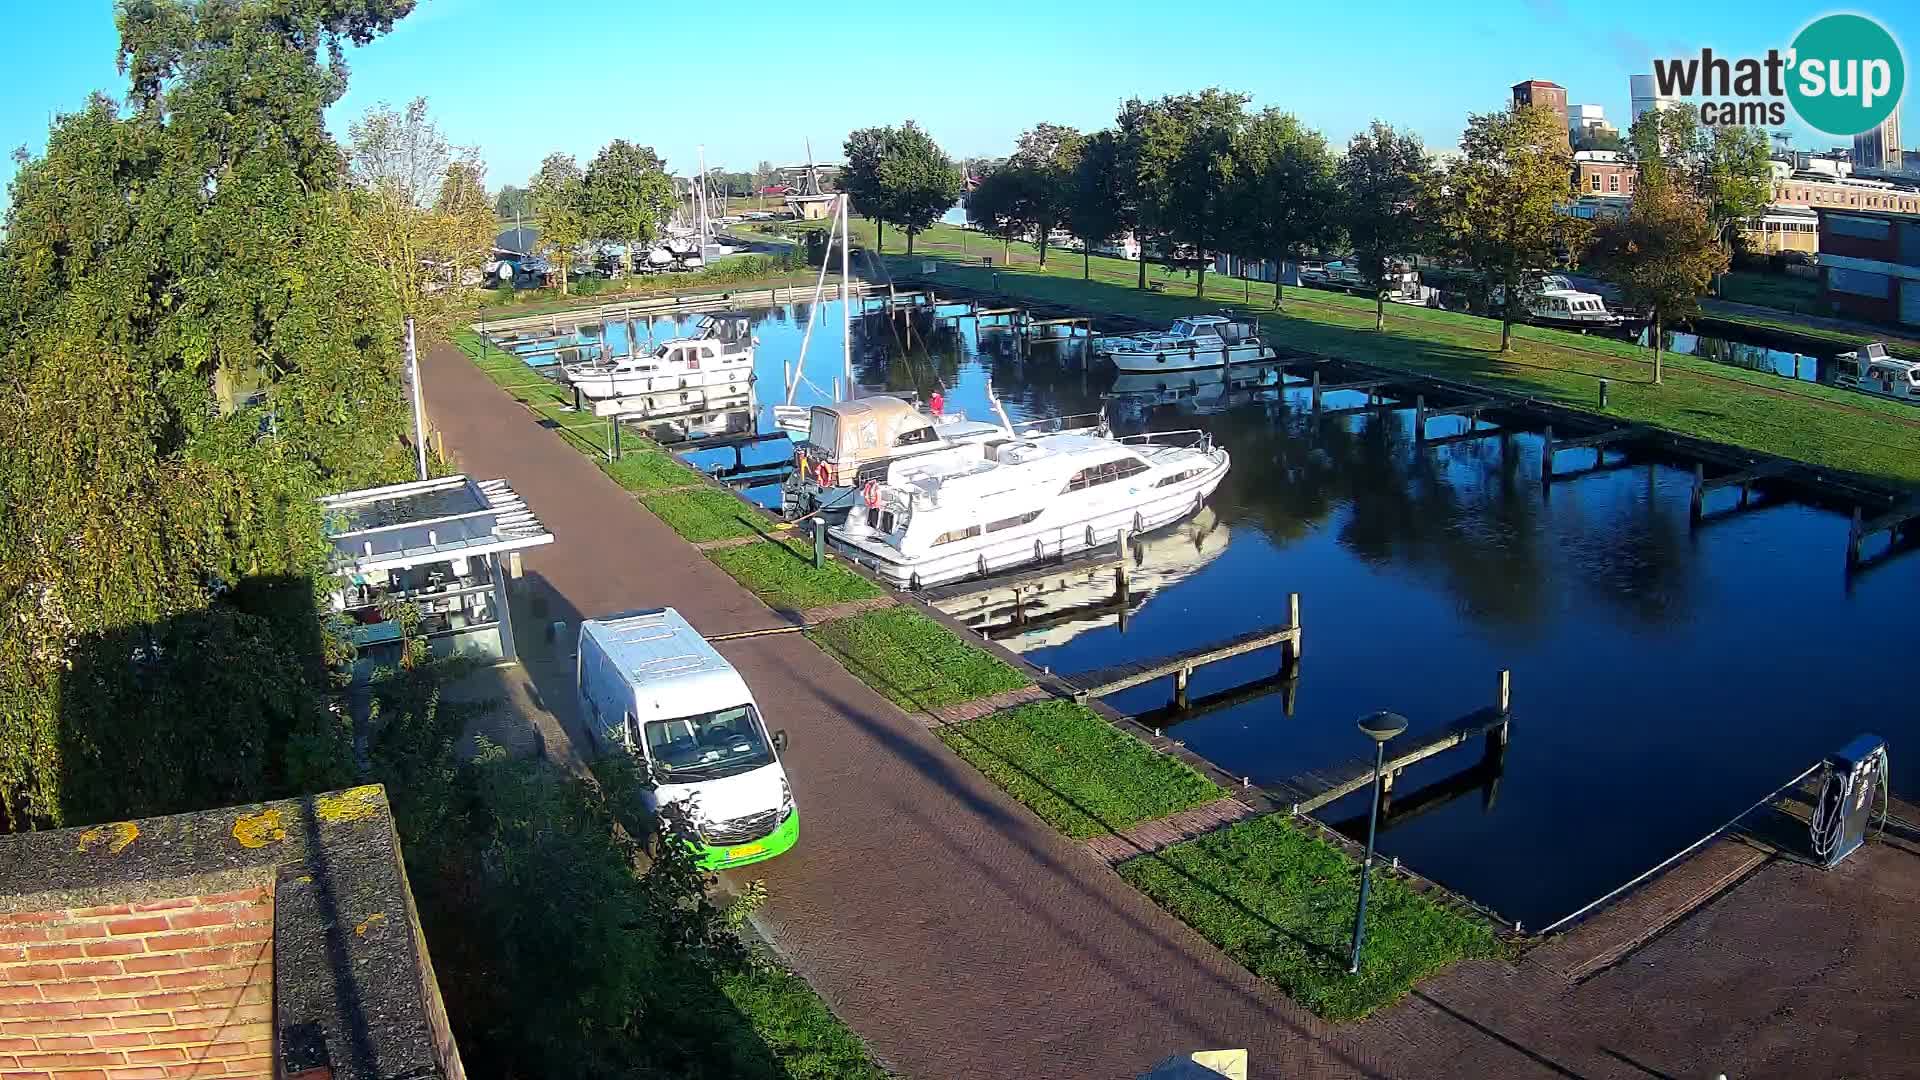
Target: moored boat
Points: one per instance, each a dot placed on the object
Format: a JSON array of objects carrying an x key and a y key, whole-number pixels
[
  {"x": 1029, "y": 500},
  {"x": 1194, "y": 341},
  {"x": 718, "y": 355},
  {"x": 1871, "y": 370}
]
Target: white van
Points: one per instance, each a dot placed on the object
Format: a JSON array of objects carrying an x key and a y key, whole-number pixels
[{"x": 650, "y": 684}]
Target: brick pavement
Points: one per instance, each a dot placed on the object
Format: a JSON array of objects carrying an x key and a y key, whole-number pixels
[
  {"x": 986, "y": 706},
  {"x": 1151, "y": 836},
  {"x": 962, "y": 937}
]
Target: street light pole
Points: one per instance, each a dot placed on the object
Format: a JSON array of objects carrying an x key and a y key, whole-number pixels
[{"x": 1380, "y": 727}]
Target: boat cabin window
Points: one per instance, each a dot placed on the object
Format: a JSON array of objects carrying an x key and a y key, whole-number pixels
[
  {"x": 915, "y": 437},
  {"x": 1012, "y": 522},
  {"x": 1104, "y": 473},
  {"x": 955, "y": 535},
  {"x": 880, "y": 520},
  {"x": 1184, "y": 474}
]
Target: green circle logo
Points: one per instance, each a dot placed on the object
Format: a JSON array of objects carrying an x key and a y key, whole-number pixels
[{"x": 1847, "y": 74}]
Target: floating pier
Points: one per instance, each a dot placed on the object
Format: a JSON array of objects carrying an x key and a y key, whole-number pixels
[
  {"x": 1181, "y": 665},
  {"x": 1309, "y": 791},
  {"x": 1894, "y": 523},
  {"x": 1469, "y": 409},
  {"x": 1744, "y": 479}
]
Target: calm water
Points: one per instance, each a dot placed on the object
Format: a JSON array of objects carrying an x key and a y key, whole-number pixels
[
  {"x": 1787, "y": 364},
  {"x": 1664, "y": 679}
]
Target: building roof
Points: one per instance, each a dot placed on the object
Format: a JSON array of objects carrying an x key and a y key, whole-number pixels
[
  {"x": 1538, "y": 82},
  {"x": 427, "y": 521},
  {"x": 1856, "y": 211},
  {"x": 270, "y": 940}
]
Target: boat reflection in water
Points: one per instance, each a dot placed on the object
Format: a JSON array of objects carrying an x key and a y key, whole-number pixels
[
  {"x": 1052, "y": 611},
  {"x": 1202, "y": 392},
  {"x": 717, "y": 415}
]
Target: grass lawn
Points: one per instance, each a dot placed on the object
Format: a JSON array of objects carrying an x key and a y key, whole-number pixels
[
  {"x": 1824, "y": 425},
  {"x": 783, "y": 575},
  {"x": 1082, "y": 775},
  {"x": 703, "y": 515},
  {"x": 1781, "y": 291},
  {"x": 797, "y": 1029},
  {"x": 914, "y": 661},
  {"x": 649, "y": 471},
  {"x": 1281, "y": 903}
]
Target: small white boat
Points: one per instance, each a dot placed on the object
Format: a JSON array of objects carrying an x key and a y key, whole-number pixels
[
  {"x": 718, "y": 358},
  {"x": 1027, "y": 501},
  {"x": 1871, "y": 370},
  {"x": 1195, "y": 341}
]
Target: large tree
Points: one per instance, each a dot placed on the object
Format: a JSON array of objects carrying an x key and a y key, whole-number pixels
[
  {"x": 899, "y": 176},
  {"x": 467, "y": 220},
  {"x": 558, "y": 195},
  {"x": 398, "y": 161},
  {"x": 1282, "y": 200},
  {"x": 627, "y": 196},
  {"x": 1502, "y": 208},
  {"x": 1098, "y": 211},
  {"x": 1048, "y": 154},
  {"x": 1727, "y": 170},
  {"x": 511, "y": 203},
  {"x": 177, "y": 389},
  {"x": 1186, "y": 170},
  {"x": 1381, "y": 179},
  {"x": 998, "y": 206},
  {"x": 1662, "y": 253}
]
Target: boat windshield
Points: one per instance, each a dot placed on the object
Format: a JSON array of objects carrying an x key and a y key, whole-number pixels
[{"x": 708, "y": 746}]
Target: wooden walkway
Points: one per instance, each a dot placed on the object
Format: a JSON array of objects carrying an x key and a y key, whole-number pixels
[
  {"x": 1112, "y": 680},
  {"x": 1151, "y": 836},
  {"x": 1311, "y": 790}
]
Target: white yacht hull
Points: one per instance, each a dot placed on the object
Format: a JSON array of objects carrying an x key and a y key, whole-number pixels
[
  {"x": 1036, "y": 543},
  {"x": 715, "y": 380},
  {"x": 1187, "y": 359}
]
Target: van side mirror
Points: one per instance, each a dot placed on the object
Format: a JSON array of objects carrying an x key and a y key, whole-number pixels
[{"x": 780, "y": 740}]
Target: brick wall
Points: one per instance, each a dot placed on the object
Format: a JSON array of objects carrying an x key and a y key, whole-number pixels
[{"x": 158, "y": 990}]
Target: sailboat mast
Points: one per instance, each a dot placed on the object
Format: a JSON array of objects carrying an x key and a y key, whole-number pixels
[
  {"x": 846, "y": 301},
  {"x": 700, "y": 203}
]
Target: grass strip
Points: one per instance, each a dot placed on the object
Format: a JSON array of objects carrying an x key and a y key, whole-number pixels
[
  {"x": 795, "y": 1028},
  {"x": 914, "y": 661},
  {"x": 782, "y": 575},
  {"x": 649, "y": 471},
  {"x": 1281, "y": 903},
  {"x": 1081, "y": 774},
  {"x": 700, "y": 516}
]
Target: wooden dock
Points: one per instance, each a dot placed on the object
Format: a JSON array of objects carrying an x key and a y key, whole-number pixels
[
  {"x": 1180, "y": 665},
  {"x": 1311, "y": 790},
  {"x": 1896, "y": 521},
  {"x": 1744, "y": 479},
  {"x": 1470, "y": 409},
  {"x": 1597, "y": 442}
]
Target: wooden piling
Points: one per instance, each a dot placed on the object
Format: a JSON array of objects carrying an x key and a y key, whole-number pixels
[
  {"x": 1546, "y": 456},
  {"x": 1419, "y": 418},
  {"x": 1290, "y": 649},
  {"x": 1699, "y": 493},
  {"x": 1854, "y": 536}
]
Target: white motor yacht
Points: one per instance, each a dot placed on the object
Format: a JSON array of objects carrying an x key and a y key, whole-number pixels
[
  {"x": 1028, "y": 500},
  {"x": 716, "y": 360},
  {"x": 1871, "y": 370},
  {"x": 1195, "y": 341},
  {"x": 843, "y": 446}
]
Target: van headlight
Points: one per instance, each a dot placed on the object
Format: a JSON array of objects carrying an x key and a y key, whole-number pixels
[{"x": 786, "y": 799}]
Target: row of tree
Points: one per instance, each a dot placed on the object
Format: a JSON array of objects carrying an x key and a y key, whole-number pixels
[
  {"x": 1195, "y": 174},
  {"x": 624, "y": 196}
]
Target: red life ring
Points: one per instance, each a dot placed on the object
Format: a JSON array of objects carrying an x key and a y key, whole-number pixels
[
  {"x": 871, "y": 492},
  {"x": 821, "y": 474}
]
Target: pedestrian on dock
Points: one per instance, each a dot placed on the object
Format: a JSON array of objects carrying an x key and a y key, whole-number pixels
[{"x": 936, "y": 402}]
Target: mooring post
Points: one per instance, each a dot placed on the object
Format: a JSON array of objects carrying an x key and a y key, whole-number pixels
[
  {"x": 1180, "y": 687},
  {"x": 1504, "y": 702},
  {"x": 1853, "y": 539},
  {"x": 1290, "y": 648},
  {"x": 576, "y": 397},
  {"x": 1546, "y": 457},
  {"x": 1699, "y": 493},
  {"x": 819, "y": 543},
  {"x": 1419, "y": 418},
  {"x": 613, "y": 439},
  {"x": 1316, "y": 390}
]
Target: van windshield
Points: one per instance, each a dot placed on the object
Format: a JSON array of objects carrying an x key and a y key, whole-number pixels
[{"x": 708, "y": 746}]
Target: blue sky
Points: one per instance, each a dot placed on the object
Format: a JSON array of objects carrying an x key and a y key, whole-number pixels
[{"x": 753, "y": 80}]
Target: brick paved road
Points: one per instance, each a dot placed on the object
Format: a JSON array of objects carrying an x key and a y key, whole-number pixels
[{"x": 963, "y": 938}]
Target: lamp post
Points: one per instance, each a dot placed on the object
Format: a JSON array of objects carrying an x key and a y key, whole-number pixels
[{"x": 1380, "y": 727}]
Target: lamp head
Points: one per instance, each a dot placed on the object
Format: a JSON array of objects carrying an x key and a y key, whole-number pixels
[{"x": 1383, "y": 725}]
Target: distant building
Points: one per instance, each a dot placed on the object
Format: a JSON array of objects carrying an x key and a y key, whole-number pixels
[
  {"x": 1603, "y": 172},
  {"x": 1586, "y": 123},
  {"x": 1547, "y": 95},
  {"x": 1878, "y": 149},
  {"x": 253, "y": 943},
  {"x": 1870, "y": 264},
  {"x": 1646, "y": 96}
]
